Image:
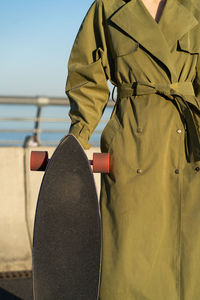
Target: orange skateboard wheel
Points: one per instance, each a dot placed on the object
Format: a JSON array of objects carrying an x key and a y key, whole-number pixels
[
  {"x": 39, "y": 160},
  {"x": 101, "y": 162}
]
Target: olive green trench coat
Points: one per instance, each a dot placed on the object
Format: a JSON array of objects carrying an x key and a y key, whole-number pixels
[{"x": 150, "y": 202}]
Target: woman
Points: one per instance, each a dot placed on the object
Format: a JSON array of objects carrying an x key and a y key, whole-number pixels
[{"x": 150, "y": 202}]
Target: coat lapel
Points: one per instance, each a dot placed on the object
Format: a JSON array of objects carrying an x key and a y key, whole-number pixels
[
  {"x": 157, "y": 38},
  {"x": 176, "y": 21}
]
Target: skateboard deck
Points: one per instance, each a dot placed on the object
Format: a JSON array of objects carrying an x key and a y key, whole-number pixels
[{"x": 67, "y": 233}]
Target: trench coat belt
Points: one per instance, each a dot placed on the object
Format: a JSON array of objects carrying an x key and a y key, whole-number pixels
[{"x": 182, "y": 93}]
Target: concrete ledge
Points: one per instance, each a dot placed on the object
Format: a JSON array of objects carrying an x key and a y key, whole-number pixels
[
  {"x": 19, "y": 192},
  {"x": 15, "y": 249}
]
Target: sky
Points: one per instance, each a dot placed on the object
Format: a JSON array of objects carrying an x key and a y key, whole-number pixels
[{"x": 36, "y": 37}]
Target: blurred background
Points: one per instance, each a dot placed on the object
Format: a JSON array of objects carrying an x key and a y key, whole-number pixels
[{"x": 36, "y": 39}]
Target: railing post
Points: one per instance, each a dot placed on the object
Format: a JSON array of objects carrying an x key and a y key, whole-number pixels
[{"x": 37, "y": 124}]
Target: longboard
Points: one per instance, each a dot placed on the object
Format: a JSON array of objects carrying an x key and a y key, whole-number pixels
[{"x": 67, "y": 231}]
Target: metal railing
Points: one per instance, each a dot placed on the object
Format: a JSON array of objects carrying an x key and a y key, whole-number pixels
[{"x": 32, "y": 136}]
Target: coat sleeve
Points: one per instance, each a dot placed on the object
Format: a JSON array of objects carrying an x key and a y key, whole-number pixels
[{"x": 88, "y": 71}]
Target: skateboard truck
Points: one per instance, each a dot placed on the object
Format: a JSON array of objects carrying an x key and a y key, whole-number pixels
[{"x": 100, "y": 162}]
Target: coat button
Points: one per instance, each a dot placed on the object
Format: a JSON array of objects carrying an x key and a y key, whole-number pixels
[
  {"x": 179, "y": 131},
  {"x": 177, "y": 171},
  {"x": 139, "y": 130},
  {"x": 197, "y": 169},
  {"x": 139, "y": 171}
]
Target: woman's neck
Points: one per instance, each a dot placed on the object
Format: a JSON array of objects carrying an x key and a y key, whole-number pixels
[{"x": 155, "y": 7}]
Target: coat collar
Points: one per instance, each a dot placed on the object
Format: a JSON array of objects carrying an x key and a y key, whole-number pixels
[{"x": 157, "y": 38}]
